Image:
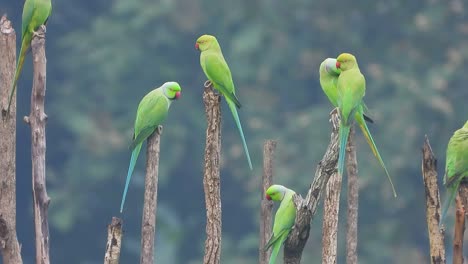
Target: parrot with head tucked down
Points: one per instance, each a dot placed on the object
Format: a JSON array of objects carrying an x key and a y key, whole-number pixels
[
  {"x": 152, "y": 111},
  {"x": 217, "y": 71},
  {"x": 284, "y": 218},
  {"x": 456, "y": 165},
  {"x": 351, "y": 88},
  {"x": 35, "y": 14}
]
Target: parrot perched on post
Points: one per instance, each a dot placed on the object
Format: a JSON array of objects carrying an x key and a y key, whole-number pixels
[
  {"x": 284, "y": 217},
  {"x": 152, "y": 111},
  {"x": 456, "y": 165},
  {"x": 217, "y": 71},
  {"x": 351, "y": 88},
  {"x": 35, "y": 14}
]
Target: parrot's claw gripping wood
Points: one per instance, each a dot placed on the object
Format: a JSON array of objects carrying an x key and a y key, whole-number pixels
[
  {"x": 207, "y": 83},
  {"x": 40, "y": 33},
  {"x": 334, "y": 111}
]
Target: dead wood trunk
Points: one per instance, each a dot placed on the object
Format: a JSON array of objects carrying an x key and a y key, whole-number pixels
[{"x": 114, "y": 241}]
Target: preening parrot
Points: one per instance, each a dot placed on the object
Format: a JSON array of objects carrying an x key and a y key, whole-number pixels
[
  {"x": 284, "y": 218},
  {"x": 217, "y": 71},
  {"x": 152, "y": 111}
]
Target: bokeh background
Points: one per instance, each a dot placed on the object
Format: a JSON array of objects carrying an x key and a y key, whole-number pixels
[{"x": 105, "y": 55}]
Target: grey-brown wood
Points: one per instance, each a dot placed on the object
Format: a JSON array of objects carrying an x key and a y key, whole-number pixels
[
  {"x": 114, "y": 241},
  {"x": 9, "y": 246},
  {"x": 211, "y": 177},
  {"x": 353, "y": 200},
  {"x": 459, "y": 232},
  {"x": 436, "y": 235},
  {"x": 266, "y": 217},
  {"x": 148, "y": 222},
  {"x": 37, "y": 121},
  {"x": 306, "y": 208}
]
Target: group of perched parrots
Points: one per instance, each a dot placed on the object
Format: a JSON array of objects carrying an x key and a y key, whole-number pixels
[{"x": 340, "y": 79}]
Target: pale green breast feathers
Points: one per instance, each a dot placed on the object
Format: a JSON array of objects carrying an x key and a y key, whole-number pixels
[
  {"x": 152, "y": 110},
  {"x": 457, "y": 156},
  {"x": 286, "y": 214},
  {"x": 216, "y": 69},
  {"x": 35, "y": 14}
]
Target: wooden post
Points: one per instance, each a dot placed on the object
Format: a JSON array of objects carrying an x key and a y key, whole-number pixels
[
  {"x": 37, "y": 121},
  {"x": 459, "y": 232},
  {"x": 9, "y": 248},
  {"x": 306, "y": 208},
  {"x": 266, "y": 217},
  {"x": 148, "y": 222},
  {"x": 436, "y": 235},
  {"x": 211, "y": 178},
  {"x": 114, "y": 241},
  {"x": 353, "y": 200}
]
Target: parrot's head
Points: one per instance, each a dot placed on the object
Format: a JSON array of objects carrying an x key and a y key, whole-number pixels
[
  {"x": 172, "y": 90},
  {"x": 345, "y": 61},
  {"x": 330, "y": 66},
  {"x": 275, "y": 192},
  {"x": 204, "y": 42}
]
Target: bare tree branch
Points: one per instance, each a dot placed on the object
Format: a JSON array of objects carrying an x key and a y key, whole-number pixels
[
  {"x": 306, "y": 208},
  {"x": 37, "y": 120},
  {"x": 353, "y": 200},
  {"x": 266, "y": 218},
  {"x": 459, "y": 232},
  {"x": 114, "y": 241},
  {"x": 436, "y": 235},
  {"x": 211, "y": 180},
  {"x": 148, "y": 223},
  {"x": 9, "y": 246}
]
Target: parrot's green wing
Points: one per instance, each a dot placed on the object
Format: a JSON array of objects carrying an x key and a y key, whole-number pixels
[
  {"x": 217, "y": 70},
  {"x": 274, "y": 238},
  {"x": 28, "y": 9}
]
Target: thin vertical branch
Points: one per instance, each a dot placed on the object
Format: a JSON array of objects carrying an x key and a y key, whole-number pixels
[
  {"x": 148, "y": 223},
  {"x": 37, "y": 120},
  {"x": 9, "y": 246},
  {"x": 436, "y": 235},
  {"x": 211, "y": 178},
  {"x": 266, "y": 218},
  {"x": 306, "y": 208},
  {"x": 114, "y": 241},
  {"x": 459, "y": 232},
  {"x": 353, "y": 200},
  {"x": 331, "y": 208}
]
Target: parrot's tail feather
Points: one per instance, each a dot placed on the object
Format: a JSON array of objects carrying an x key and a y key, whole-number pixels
[
  {"x": 276, "y": 247},
  {"x": 133, "y": 160},
  {"x": 452, "y": 193},
  {"x": 370, "y": 141},
  {"x": 232, "y": 106},
  {"x": 25, "y": 44},
  {"x": 344, "y": 133},
  {"x": 368, "y": 119}
]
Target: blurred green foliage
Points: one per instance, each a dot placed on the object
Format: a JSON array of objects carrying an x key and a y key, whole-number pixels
[{"x": 104, "y": 56}]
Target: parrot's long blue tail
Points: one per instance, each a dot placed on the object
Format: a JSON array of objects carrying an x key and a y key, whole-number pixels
[
  {"x": 344, "y": 133},
  {"x": 232, "y": 106},
  {"x": 133, "y": 159},
  {"x": 452, "y": 193}
]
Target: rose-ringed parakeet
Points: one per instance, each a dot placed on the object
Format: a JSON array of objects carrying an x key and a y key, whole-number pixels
[
  {"x": 456, "y": 165},
  {"x": 217, "y": 71},
  {"x": 351, "y": 88},
  {"x": 35, "y": 14},
  {"x": 284, "y": 218},
  {"x": 152, "y": 111}
]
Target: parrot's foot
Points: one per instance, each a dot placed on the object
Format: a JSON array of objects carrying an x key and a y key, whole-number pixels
[
  {"x": 207, "y": 83},
  {"x": 40, "y": 33},
  {"x": 334, "y": 111}
]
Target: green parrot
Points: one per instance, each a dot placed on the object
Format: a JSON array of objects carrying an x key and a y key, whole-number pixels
[
  {"x": 456, "y": 165},
  {"x": 152, "y": 111},
  {"x": 35, "y": 14},
  {"x": 284, "y": 218},
  {"x": 217, "y": 71},
  {"x": 351, "y": 88}
]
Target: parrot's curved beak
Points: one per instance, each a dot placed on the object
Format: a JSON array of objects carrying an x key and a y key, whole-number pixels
[
  {"x": 197, "y": 46},
  {"x": 177, "y": 95},
  {"x": 268, "y": 197},
  {"x": 338, "y": 64}
]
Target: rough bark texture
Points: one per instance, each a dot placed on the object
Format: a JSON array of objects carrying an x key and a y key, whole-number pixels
[
  {"x": 148, "y": 222},
  {"x": 459, "y": 232},
  {"x": 436, "y": 235},
  {"x": 9, "y": 246},
  {"x": 266, "y": 218},
  {"x": 37, "y": 120},
  {"x": 114, "y": 241},
  {"x": 306, "y": 208},
  {"x": 211, "y": 179},
  {"x": 331, "y": 208},
  {"x": 463, "y": 192},
  {"x": 353, "y": 200}
]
